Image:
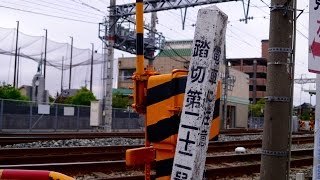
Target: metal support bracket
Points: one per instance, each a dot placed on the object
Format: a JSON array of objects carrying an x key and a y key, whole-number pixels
[
  {"x": 281, "y": 7},
  {"x": 246, "y": 11},
  {"x": 278, "y": 63},
  {"x": 277, "y": 99},
  {"x": 183, "y": 17},
  {"x": 157, "y": 5},
  {"x": 274, "y": 153},
  {"x": 280, "y": 50}
]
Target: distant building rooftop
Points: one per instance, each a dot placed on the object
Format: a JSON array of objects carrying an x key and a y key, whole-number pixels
[
  {"x": 69, "y": 92},
  {"x": 125, "y": 92},
  {"x": 175, "y": 52}
]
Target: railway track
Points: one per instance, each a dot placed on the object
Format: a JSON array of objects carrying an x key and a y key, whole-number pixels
[
  {"x": 85, "y": 160},
  {"x": 218, "y": 166},
  {"x": 15, "y": 138},
  {"x": 13, "y": 156}
]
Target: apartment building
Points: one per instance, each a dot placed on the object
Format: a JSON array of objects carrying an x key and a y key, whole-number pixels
[
  {"x": 176, "y": 55},
  {"x": 256, "y": 68}
]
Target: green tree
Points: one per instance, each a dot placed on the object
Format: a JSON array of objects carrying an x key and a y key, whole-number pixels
[
  {"x": 258, "y": 108},
  {"x": 9, "y": 92},
  {"x": 82, "y": 97},
  {"x": 305, "y": 116},
  {"x": 119, "y": 101},
  {"x": 51, "y": 99}
]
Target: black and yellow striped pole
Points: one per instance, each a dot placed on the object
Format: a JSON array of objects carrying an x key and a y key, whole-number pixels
[
  {"x": 140, "y": 80},
  {"x": 139, "y": 76},
  {"x": 139, "y": 31}
]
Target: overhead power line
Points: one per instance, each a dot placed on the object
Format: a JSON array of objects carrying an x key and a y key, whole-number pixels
[
  {"x": 55, "y": 6},
  {"x": 59, "y": 9},
  {"x": 34, "y": 7},
  {"x": 88, "y": 5},
  {"x": 178, "y": 53},
  {"x": 68, "y": 7},
  {"x": 48, "y": 15}
]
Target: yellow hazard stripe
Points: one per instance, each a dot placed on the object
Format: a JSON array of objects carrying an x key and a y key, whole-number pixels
[
  {"x": 56, "y": 175},
  {"x": 139, "y": 40}
]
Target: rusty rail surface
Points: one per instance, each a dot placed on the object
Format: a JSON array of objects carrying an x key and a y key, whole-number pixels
[
  {"x": 15, "y": 138},
  {"x": 62, "y": 154},
  {"x": 222, "y": 146},
  {"x": 13, "y": 156},
  {"x": 217, "y": 166}
]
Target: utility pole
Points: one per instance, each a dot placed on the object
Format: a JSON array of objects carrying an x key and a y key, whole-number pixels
[
  {"x": 16, "y": 57},
  {"x": 104, "y": 67},
  {"x": 45, "y": 57},
  {"x": 40, "y": 67},
  {"x": 153, "y": 34},
  {"x": 61, "y": 89},
  {"x": 18, "y": 68},
  {"x": 225, "y": 95},
  {"x": 109, "y": 66},
  {"x": 275, "y": 142},
  {"x": 70, "y": 71},
  {"x": 91, "y": 73},
  {"x": 254, "y": 83}
]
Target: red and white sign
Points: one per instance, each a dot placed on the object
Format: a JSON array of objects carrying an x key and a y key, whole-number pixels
[
  {"x": 314, "y": 36},
  {"x": 314, "y": 66}
]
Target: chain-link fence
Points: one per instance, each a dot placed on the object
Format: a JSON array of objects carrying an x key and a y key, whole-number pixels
[
  {"x": 26, "y": 115},
  {"x": 255, "y": 122}
]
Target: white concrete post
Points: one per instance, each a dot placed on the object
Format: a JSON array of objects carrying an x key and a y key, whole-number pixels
[
  {"x": 197, "y": 113},
  {"x": 316, "y": 165}
]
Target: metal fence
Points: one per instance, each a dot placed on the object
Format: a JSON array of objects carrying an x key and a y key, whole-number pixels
[
  {"x": 255, "y": 122},
  {"x": 26, "y": 115}
]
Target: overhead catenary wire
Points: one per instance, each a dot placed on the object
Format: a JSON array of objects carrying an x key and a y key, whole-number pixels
[
  {"x": 173, "y": 58},
  {"x": 49, "y": 15},
  {"x": 178, "y": 53},
  {"x": 71, "y": 8},
  {"x": 87, "y": 5},
  {"x": 59, "y": 9}
]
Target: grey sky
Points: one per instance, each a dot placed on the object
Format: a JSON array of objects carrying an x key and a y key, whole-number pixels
[{"x": 243, "y": 40}]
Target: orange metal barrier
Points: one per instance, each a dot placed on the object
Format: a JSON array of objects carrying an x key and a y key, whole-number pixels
[{"x": 164, "y": 99}]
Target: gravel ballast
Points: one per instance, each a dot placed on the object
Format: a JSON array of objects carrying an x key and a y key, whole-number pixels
[
  {"x": 116, "y": 141},
  {"x": 79, "y": 142}
]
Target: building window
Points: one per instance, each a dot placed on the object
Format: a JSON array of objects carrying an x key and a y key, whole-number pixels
[
  {"x": 261, "y": 88},
  {"x": 262, "y": 75},
  {"x": 126, "y": 74}
]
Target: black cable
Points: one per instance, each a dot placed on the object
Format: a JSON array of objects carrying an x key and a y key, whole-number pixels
[
  {"x": 59, "y": 5},
  {"x": 178, "y": 53},
  {"x": 49, "y": 15},
  {"x": 88, "y": 5},
  {"x": 265, "y": 3},
  {"x": 59, "y": 9},
  {"x": 169, "y": 55}
]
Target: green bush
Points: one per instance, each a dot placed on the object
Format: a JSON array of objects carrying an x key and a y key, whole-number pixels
[
  {"x": 9, "y": 92},
  {"x": 82, "y": 97},
  {"x": 256, "y": 108},
  {"x": 119, "y": 101}
]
